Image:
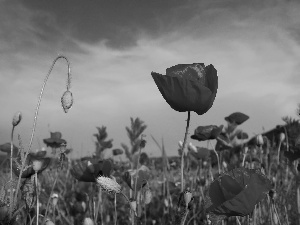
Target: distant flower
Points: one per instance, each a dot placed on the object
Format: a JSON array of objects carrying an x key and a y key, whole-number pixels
[
  {"x": 35, "y": 162},
  {"x": 117, "y": 151},
  {"x": 17, "y": 118},
  {"x": 108, "y": 184},
  {"x": 7, "y": 148},
  {"x": 204, "y": 133},
  {"x": 55, "y": 141},
  {"x": 259, "y": 140},
  {"x": 188, "y": 87},
  {"x": 242, "y": 136},
  {"x": 237, "y": 118},
  {"x": 236, "y": 193},
  {"x": 199, "y": 152},
  {"x": 88, "y": 170}
]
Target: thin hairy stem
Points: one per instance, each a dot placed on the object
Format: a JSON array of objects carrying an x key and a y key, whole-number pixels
[
  {"x": 219, "y": 168},
  {"x": 11, "y": 199},
  {"x": 182, "y": 149},
  {"x": 36, "y": 115}
]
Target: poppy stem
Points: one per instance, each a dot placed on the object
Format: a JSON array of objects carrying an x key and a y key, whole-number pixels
[
  {"x": 182, "y": 149},
  {"x": 219, "y": 168},
  {"x": 36, "y": 115},
  {"x": 11, "y": 199},
  {"x": 37, "y": 199}
]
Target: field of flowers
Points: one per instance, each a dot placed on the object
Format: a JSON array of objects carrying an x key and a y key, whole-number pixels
[{"x": 238, "y": 180}]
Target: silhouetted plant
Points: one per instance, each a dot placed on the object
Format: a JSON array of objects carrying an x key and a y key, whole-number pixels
[{"x": 101, "y": 143}]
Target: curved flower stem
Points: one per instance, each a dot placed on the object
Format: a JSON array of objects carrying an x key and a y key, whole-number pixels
[
  {"x": 184, "y": 217},
  {"x": 52, "y": 189},
  {"x": 37, "y": 111},
  {"x": 37, "y": 199},
  {"x": 115, "y": 203},
  {"x": 127, "y": 199},
  {"x": 182, "y": 149},
  {"x": 278, "y": 153},
  {"x": 11, "y": 199},
  {"x": 219, "y": 168}
]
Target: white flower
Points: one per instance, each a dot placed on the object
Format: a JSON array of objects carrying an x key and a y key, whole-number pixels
[{"x": 108, "y": 184}]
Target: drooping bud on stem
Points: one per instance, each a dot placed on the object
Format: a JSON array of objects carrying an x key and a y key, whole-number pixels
[
  {"x": 17, "y": 118},
  {"x": 67, "y": 100}
]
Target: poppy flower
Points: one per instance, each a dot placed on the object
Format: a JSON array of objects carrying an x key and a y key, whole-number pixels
[
  {"x": 55, "y": 140},
  {"x": 242, "y": 136},
  {"x": 36, "y": 162},
  {"x": 117, "y": 151},
  {"x": 7, "y": 148},
  {"x": 204, "y": 133},
  {"x": 236, "y": 193},
  {"x": 188, "y": 87},
  {"x": 142, "y": 177},
  {"x": 237, "y": 118},
  {"x": 200, "y": 153},
  {"x": 89, "y": 170},
  {"x": 223, "y": 142}
]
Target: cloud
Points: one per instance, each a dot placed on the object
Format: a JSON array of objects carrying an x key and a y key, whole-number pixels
[{"x": 252, "y": 46}]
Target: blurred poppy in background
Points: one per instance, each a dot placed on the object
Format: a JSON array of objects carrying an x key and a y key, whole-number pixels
[
  {"x": 88, "y": 170},
  {"x": 238, "y": 118},
  {"x": 32, "y": 159},
  {"x": 236, "y": 193},
  {"x": 188, "y": 87},
  {"x": 204, "y": 133}
]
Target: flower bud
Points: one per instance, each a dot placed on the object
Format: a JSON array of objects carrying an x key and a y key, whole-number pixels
[
  {"x": 259, "y": 140},
  {"x": 147, "y": 196},
  {"x": 108, "y": 184},
  {"x": 49, "y": 222},
  {"x": 281, "y": 137},
  {"x": 88, "y": 221},
  {"x": 17, "y": 118},
  {"x": 37, "y": 165},
  {"x": 180, "y": 143},
  {"x": 133, "y": 205},
  {"x": 187, "y": 197},
  {"x": 192, "y": 147},
  {"x": 67, "y": 100},
  {"x": 54, "y": 199}
]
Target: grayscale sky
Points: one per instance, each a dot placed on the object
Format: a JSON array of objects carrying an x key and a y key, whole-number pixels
[{"x": 113, "y": 47}]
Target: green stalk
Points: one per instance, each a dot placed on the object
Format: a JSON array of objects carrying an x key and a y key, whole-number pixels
[
  {"x": 11, "y": 199},
  {"x": 219, "y": 168},
  {"x": 36, "y": 115},
  {"x": 182, "y": 149}
]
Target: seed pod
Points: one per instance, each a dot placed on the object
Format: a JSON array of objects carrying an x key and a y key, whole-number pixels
[
  {"x": 88, "y": 221},
  {"x": 37, "y": 165},
  {"x": 188, "y": 196},
  {"x": 281, "y": 137},
  {"x": 259, "y": 140},
  {"x": 109, "y": 185},
  {"x": 67, "y": 100},
  {"x": 17, "y": 118},
  {"x": 54, "y": 199}
]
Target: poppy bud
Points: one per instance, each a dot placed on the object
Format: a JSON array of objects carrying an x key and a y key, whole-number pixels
[
  {"x": 83, "y": 204},
  {"x": 88, "y": 221},
  {"x": 67, "y": 100},
  {"x": 147, "y": 196},
  {"x": 17, "y": 118},
  {"x": 188, "y": 196},
  {"x": 37, "y": 165},
  {"x": 54, "y": 199},
  {"x": 166, "y": 202},
  {"x": 259, "y": 140},
  {"x": 133, "y": 205},
  {"x": 281, "y": 137},
  {"x": 142, "y": 143},
  {"x": 180, "y": 143},
  {"x": 192, "y": 147},
  {"x": 49, "y": 222}
]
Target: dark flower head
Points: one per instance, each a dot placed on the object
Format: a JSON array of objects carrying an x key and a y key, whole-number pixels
[
  {"x": 88, "y": 170},
  {"x": 7, "y": 148},
  {"x": 188, "y": 87},
  {"x": 203, "y": 133},
  {"x": 238, "y": 118},
  {"x": 242, "y": 135},
  {"x": 117, "y": 151},
  {"x": 236, "y": 193},
  {"x": 55, "y": 140},
  {"x": 200, "y": 153}
]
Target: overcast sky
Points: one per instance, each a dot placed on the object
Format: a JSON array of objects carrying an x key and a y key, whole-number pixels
[{"x": 113, "y": 47}]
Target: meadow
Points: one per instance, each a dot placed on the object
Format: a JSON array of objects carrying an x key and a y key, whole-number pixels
[{"x": 239, "y": 180}]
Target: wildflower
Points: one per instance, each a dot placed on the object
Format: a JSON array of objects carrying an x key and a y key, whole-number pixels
[
  {"x": 117, "y": 151},
  {"x": 281, "y": 137},
  {"x": 199, "y": 153},
  {"x": 17, "y": 118},
  {"x": 242, "y": 136},
  {"x": 188, "y": 87},
  {"x": 88, "y": 221},
  {"x": 259, "y": 140},
  {"x": 67, "y": 100},
  {"x": 108, "y": 184},
  {"x": 7, "y": 148},
  {"x": 88, "y": 170},
  {"x": 54, "y": 199},
  {"x": 203, "y": 133},
  {"x": 235, "y": 193},
  {"x": 237, "y": 118},
  {"x": 55, "y": 141}
]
